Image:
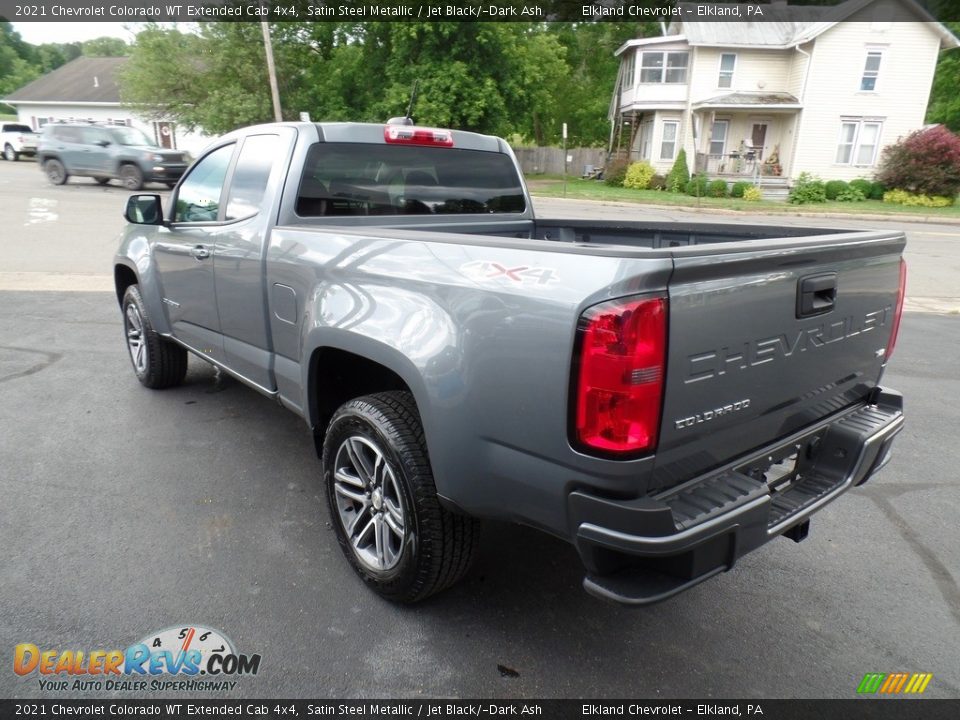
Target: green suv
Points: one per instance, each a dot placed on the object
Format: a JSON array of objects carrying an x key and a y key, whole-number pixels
[{"x": 106, "y": 152}]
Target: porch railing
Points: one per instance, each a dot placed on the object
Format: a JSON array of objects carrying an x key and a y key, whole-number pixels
[{"x": 746, "y": 164}]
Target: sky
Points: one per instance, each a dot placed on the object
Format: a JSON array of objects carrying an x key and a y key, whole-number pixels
[{"x": 37, "y": 33}]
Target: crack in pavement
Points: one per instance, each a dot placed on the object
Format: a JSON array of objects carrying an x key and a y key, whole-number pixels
[
  {"x": 49, "y": 359},
  {"x": 945, "y": 582}
]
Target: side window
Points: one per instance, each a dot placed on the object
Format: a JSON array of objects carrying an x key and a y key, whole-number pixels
[
  {"x": 67, "y": 134},
  {"x": 257, "y": 157},
  {"x": 92, "y": 136},
  {"x": 198, "y": 199}
]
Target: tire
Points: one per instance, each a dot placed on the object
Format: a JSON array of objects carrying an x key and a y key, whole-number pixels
[
  {"x": 423, "y": 547},
  {"x": 157, "y": 362},
  {"x": 131, "y": 177},
  {"x": 102, "y": 180},
  {"x": 10, "y": 154},
  {"x": 56, "y": 172}
]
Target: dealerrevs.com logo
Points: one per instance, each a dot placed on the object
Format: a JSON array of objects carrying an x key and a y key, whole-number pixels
[{"x": 184, "y": 658}]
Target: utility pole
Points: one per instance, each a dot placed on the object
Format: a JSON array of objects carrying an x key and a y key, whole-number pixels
[{"x": 271, "y": 71}]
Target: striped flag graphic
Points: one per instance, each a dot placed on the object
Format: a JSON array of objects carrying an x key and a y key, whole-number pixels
[{"x": 894, "y": 683}]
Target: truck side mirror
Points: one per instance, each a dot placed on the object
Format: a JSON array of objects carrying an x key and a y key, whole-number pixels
[{"x": 144, "y": 210}]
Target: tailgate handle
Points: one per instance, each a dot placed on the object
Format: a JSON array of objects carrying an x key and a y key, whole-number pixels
[{"x": 816, "y": 294}]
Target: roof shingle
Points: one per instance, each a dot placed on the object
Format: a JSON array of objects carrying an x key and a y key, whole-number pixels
[{"x": 82, "y": 80}]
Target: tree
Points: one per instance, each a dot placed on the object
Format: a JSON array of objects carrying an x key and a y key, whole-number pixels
[
  {"x": 944, "y": 100},
  {"x": 926, "y": 162},
  {"x": 16, "y": 68},
  {"x": 215, "y": 79},
  {"x": 105, "y": 47}
]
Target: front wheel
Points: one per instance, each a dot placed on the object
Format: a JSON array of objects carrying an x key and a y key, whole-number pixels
[
  {"x": 383, "y": 502},
  {"x": 157, "y": 362},
  {"x": 10, "y": 154},
  {"x": 131, "y": 177}
]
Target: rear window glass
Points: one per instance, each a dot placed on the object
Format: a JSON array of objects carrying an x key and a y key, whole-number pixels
[
  {"x": 17, "y": 128},
  {"x": 371, "y": 179}
]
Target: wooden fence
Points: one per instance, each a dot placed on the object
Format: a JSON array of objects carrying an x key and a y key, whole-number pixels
[{"x": 549, "y": 160}]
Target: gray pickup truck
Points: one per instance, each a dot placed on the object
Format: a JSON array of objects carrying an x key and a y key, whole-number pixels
[{"x": 665, "y": 396}]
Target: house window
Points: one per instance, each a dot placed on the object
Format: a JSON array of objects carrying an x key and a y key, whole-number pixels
[
  {"x": 727, "y": 63},
  {"x": 871, "y": 70},
  {"x": 629, "y": 65},
  {"x": 718, "y": 137},
  {"x": 664, "y": 67},
  {"x": 668, "y": 143},
  {"x": 859, "y": 140}
]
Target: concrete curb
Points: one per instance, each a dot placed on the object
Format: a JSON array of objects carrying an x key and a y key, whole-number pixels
[{"x": 928, "y": 219}]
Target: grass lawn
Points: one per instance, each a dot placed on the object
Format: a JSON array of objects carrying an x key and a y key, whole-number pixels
[{"x": 552, "y": 186}]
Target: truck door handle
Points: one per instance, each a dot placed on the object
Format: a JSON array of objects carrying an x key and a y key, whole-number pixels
[
  {"x": 816, "y": 294},
  {"x": 199, "y": 252}
]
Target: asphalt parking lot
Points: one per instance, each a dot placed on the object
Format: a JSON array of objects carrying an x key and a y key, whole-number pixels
[{"x": 126, "y": 511}]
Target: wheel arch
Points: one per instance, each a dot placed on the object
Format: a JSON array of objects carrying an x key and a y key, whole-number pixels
[
  {"x": 123, "y": 277},
  {"x": 336, "y": 375}
]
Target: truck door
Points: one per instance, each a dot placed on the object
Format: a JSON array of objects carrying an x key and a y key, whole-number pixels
[
  {"x": 256, "y": 181},
  {"x": 183, "y": 252}
]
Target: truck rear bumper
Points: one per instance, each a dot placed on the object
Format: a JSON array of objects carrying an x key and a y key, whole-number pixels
[{"x": 646, "y": 550}]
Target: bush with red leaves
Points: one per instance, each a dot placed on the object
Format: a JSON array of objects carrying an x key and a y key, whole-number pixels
[{"x": 926, "y": 161}]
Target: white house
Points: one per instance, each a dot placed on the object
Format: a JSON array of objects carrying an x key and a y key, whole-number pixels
[
  {"x": 814, "y": 89},
  {"x": 86, "y": 89}
]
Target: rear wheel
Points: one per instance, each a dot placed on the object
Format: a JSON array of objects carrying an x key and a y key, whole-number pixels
[
  {"x": 157, "y": 362},
  {"x": 10, "y": 154},
  {"x": 56, "y": 172},
  {"x": 383, "y": 502},
  {"x": 131, "y": 177}
]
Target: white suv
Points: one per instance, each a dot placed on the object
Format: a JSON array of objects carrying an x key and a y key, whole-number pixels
[{"x": 17, "y": 140}]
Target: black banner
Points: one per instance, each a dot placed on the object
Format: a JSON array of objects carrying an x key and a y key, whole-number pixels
[
  {"x": 470, "y": 10},
  {"x": 860, "y": 709}
]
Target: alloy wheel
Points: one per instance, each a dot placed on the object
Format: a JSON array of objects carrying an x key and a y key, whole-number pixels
[{"x": 369, "y": 503}]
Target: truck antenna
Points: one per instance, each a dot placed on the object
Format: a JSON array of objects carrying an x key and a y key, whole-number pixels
[{"x": 413, "y": 98}]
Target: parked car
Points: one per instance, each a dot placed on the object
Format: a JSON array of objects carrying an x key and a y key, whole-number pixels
[
  {"x": 667, "y": 397},
  {"x": 106, "y": 152},
  {"x": 17, "y": 140}
]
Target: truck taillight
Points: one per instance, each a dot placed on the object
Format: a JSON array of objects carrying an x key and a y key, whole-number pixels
[
  {"x": 898, "y": 310},
  {"x": 410, "y": 135},
  {"x": 619, "y": 381}
]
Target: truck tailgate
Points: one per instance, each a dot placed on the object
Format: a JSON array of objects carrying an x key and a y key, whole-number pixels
[{"x": 762, "y": 343}]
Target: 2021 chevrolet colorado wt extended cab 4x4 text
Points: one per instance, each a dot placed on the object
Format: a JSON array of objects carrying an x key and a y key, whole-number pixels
[{"x": 665, "y": 396}]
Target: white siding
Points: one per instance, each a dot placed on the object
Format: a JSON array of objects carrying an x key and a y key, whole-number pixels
[
  {"x": 756, "y": 71},
  {"x": 910, "y": 52}
]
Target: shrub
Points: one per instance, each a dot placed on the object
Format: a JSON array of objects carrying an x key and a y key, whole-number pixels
[
  {"x": 679, "y": 174},
  {"x": 850, "y": 194},
  {"x": 834, "y": 188},
  {"x": 902, "y": 197},
  {"x": 697, "y": 186},
  {"x": 717, "y": 188},
  {"x": 739, "y": 188},
  {"x": 863, "y": 185},
  {"x": 926, "y": 162},
  {"x": 658, "y": 182},
  {"x": 752, "y": 194},
  {"x": 877, "y": 189},
  {"x": 808, "y": 189},
  {"x": 639, "y": 175},
  {"x": 615, "y": 171}
]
